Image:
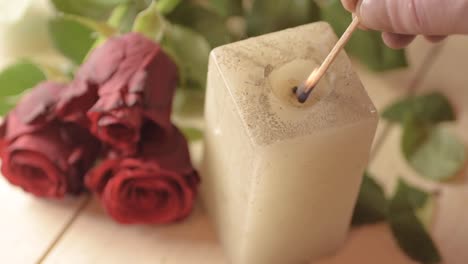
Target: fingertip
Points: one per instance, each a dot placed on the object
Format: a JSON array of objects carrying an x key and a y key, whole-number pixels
[
  {"x": 397, "y": 41},
  {"x": 435, "y": 39},
  {"x": 350, "y": 5}
]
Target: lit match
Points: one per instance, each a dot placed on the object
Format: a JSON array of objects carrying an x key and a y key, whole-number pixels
[{"x": 304, "y": 89}]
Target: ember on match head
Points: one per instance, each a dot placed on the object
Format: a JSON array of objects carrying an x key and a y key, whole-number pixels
[
  {"x": 302, "y": 93},
  {"x": 302, "y": 97}
]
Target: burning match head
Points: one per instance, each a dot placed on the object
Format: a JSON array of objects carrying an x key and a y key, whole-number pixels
[
  {"x": 303, "y": 96},
  {"x": 301, "y": 93},
  {"x": 304, "y": 89}
]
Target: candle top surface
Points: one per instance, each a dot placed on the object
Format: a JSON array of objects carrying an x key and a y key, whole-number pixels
[{"x": 260, "y": 73}]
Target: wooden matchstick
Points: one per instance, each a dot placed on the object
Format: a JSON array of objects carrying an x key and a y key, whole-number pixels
[{"x": 304, "y": 89}]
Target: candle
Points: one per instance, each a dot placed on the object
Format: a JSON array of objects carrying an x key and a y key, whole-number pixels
[{"x": 280, "y": 178}]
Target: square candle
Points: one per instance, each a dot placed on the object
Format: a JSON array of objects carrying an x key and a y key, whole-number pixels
[{"x": 279, "y": 178}]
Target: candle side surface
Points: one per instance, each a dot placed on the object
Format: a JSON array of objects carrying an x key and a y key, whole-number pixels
[{"x": 279, "y": 178}]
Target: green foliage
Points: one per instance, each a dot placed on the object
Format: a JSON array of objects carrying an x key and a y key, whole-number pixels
[
  {"x": 434, "y": 152},
  {"x": 203, "y": 21},
  {"x": 408, "y": 213},
  {"x": 189, "y": 102},
  {"x": 18, "y": 77},
  {"x": 167, "y": 6},
  {"x": 367, "y": 46},
  {"x": 71, "y": 38},
  {"x": 14, "y": 80},
  {"x": 150, "y": 23},
  {"x": 268, "y": 16},
  {"x": 188, "y": 48},
  {"x": 429, "y": 148},
  {"x": 103, "y": 29},
  {"x": 6, "y": 104},
  {"x": 122, "y": 17},
  {"x": 227, "y": 7},
  {"x": 371, "y": 206},
  {"x": 190, "y": 51},
  {"x": 407, "y": 198},
  {"x": 407, "y": 228},
  {"x": 192, "y": 134},
  {"x": 97, "y": 9},
  {"x": 433, "y": 108}
]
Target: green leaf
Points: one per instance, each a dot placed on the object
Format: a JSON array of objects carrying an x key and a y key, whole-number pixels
[
  {"x": 118, "y": 15},
  {"x": 268, "y": 16},
  {"x": 102, "y": 28},
  {"x": 97, "y": 9},
  {"x": 167, "y": 6},
  {"x": 434, "y": 152},
  {"x": 192, "y": 134},
  {"x": 203, "y": 21},
  {"x": 433, "y": 108},
  {"x": 190, "y": 51},
  {"x": 407, "y": 198},
  {"x": 371, "y": 206},
  {"x": 227, "y": 7},
  {"x": 18, "y": 77},
  {"x": 425, "y": 213},
  {"x": 123, "y": 16},
  {"x": 413, "y": 238},
  {"x": 150, "y": 23},
  {"x": 189, "y": 102},
  {"x": 7, "y": 104},
  {"x": 71, "y": 38},
  {"x": 367, "y": 46},
  {"x": 407, "y": 228}
]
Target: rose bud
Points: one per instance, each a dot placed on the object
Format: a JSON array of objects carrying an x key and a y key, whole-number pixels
[
  {"x": 126, "y": 81},
  {"x": 153, "y": 189},
  {"x": 41, "y": 154}
]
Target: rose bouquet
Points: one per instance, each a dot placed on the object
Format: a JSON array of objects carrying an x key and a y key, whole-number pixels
[{"x": 115, "y": 113}]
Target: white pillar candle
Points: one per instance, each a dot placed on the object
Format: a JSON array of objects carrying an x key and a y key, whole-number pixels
[{"x": 280, "y": 178}]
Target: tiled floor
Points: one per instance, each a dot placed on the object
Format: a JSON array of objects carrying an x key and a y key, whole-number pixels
[{"x": 78, "y": 231}]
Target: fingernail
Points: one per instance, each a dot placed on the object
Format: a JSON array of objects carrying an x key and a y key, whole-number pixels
[{"x": 435, "y": 39}]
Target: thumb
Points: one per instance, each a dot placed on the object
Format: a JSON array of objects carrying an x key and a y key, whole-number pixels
[{"x": 413, "y": 17}]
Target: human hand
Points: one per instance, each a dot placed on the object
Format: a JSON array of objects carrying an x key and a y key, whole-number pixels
[{"x": 401, "y": 20}]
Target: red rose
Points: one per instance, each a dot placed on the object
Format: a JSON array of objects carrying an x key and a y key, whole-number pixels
[
  {"x": 41, "y": 154},
  {"x": 157, "y": 188},
  {"x": 126, "y": 81}
]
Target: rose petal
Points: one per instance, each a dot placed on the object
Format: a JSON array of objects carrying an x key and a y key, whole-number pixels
[
  {"x": 46, "y": 141},
  {"x": 120, "y": 128},
  {"x": 65, "y": 152},
  {"x": 161, "y": 83},
  {"x": 151, "y": 210},
  {"x": 34, "y": 173},
  {"x": 170, "y": 151},
  {"x": 140, "y": 191},
  {"x": 76, "y": 100},
  {"x": 103, "y": 62},
  {"x": 36, "y": 104},
  {"x": 97, "y": 178},
  {"x": 139, "y": 51},
  {"x": 107, "y": 103}
]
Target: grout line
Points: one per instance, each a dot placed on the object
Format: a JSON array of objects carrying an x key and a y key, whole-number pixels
[
  {"x": 413, "y": 87},
  {"x": 62, "y": 232}
]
